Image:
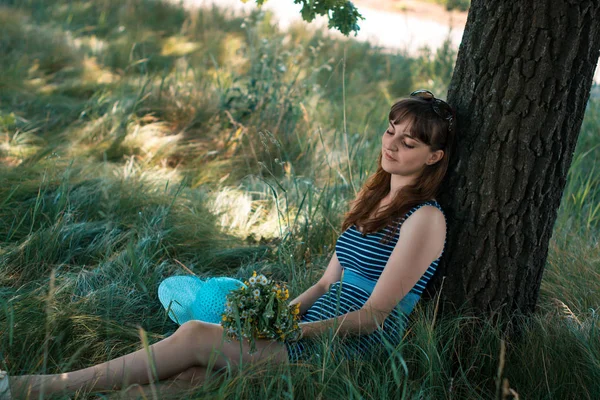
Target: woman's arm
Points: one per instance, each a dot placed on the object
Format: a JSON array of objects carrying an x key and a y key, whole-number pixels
[
  {"x": 309, "y": 296},
  {"x": 352, "y": 323},
  {"x": 332, "y": 274},
  {"x": 355, "y": 322}
]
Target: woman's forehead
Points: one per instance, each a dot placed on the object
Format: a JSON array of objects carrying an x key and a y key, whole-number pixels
[{"x": 404, "y": 125}]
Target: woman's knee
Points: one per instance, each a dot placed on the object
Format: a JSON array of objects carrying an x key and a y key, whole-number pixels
[
  {"x": 199, "y": 338},
  {"x": 196, "y": 330},
  {"x": 189, "y": 329}
]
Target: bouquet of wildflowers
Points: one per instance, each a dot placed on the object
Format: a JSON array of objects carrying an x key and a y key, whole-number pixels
[{"x": 259, "y": 310}]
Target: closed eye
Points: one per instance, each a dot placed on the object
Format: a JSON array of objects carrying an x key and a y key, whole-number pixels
[{"x": 403, "y": 143}]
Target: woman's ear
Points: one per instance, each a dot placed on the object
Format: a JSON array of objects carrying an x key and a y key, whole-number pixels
[{"x": 435, "y": 157}]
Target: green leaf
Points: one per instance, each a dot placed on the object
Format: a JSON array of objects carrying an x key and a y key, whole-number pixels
[{"x": 342, "y": 14}]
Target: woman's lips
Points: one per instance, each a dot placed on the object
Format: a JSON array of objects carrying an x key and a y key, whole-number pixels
[{"x": 387, "y": 155}]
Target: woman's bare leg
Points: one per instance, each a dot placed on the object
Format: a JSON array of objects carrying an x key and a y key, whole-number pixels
[
  {"x": 176, "y": 386},
  {"x": 195, "y": 375},
  {"x": 162, "y": 390},
  {"x": 195, "y": 343}
]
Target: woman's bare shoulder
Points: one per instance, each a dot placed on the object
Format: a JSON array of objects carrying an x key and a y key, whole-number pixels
[
  {"x": 427, "y": 217},
  {"x": 427, "y": 214},
  {"x": 429, "y": 223}
]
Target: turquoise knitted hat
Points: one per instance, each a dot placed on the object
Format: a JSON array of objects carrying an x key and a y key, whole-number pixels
[{"x": 190, "y": 298}]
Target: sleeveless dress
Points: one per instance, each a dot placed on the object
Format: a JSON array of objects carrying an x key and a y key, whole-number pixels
[{"x": 362, "y": 259}]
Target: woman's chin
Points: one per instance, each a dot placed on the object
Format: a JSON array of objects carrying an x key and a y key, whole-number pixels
[
  {"x": 392, "y": 171},
  {"x": 388, "y": 166}
]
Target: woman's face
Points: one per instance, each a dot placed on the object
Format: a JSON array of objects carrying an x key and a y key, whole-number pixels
[{"x": 404, "y": 155}]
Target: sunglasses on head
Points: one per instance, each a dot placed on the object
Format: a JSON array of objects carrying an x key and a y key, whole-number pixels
[{"x": 440, "y": 107}]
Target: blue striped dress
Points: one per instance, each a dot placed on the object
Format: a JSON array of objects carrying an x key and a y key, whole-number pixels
[{"x": 362, "y": 259}]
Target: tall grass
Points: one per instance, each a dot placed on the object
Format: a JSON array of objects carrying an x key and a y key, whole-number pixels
[{"x": 137, "y": 136}]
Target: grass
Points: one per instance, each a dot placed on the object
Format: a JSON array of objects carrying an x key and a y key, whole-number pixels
[{"x": 136, "y": 135}]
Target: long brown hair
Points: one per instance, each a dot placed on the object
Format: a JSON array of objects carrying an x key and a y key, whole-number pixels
[{"x": 431, "y": 129}]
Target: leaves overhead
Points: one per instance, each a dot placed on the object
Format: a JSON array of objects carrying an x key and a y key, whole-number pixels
[{"x": 342, "y": 14}]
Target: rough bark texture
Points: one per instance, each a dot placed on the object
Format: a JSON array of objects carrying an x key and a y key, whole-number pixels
[{"x": 520, "y": 86}]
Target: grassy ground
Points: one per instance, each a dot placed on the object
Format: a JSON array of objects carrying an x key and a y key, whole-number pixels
[{"x": 135, "y": 135}]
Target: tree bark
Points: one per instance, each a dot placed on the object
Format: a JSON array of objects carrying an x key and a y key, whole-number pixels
[{"x": 520, "y": 86}]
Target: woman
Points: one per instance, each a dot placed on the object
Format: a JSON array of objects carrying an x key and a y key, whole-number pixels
[{"x": 392, "y": 240}]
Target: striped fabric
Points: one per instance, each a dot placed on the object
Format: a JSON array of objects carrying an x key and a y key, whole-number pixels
[{"x": 363, "y": 259}]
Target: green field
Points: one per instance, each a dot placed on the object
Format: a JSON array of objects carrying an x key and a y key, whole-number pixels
[{"x": 136, "y": 135}]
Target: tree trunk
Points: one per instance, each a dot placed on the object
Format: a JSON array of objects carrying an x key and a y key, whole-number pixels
[{"x": 520, "y": 86}]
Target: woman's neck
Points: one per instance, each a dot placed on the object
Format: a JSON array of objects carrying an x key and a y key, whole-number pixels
[{"x": 397, "y": 182}]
